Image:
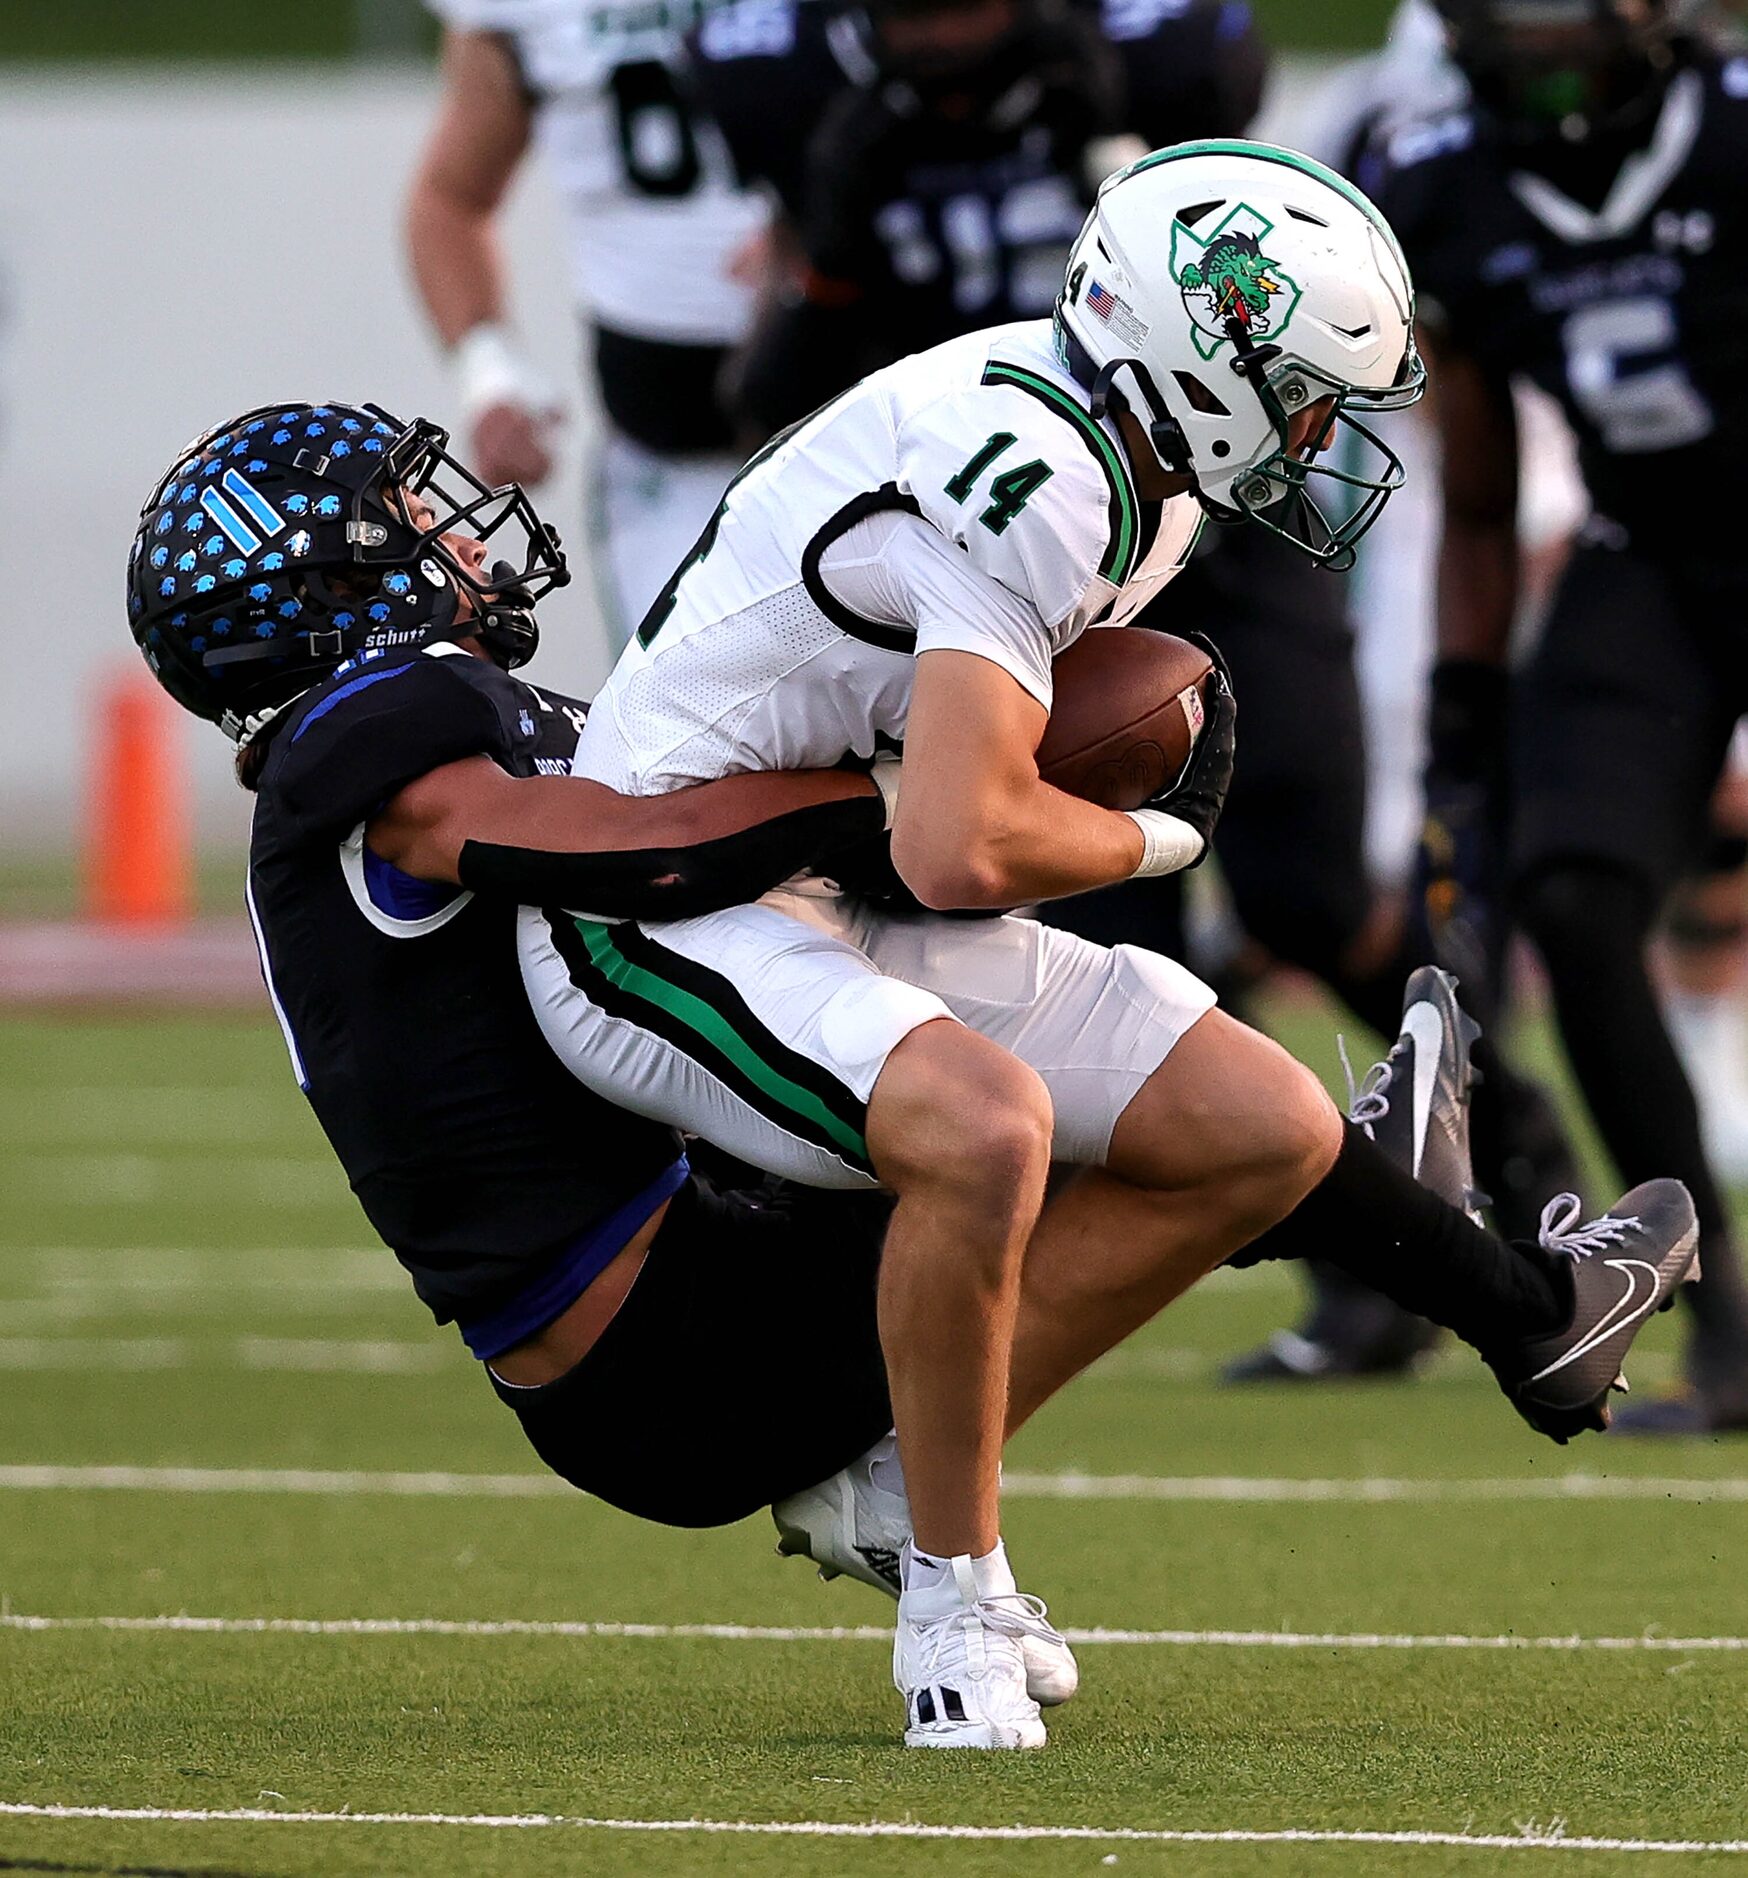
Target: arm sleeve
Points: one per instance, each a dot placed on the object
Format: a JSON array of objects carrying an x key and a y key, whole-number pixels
[
  {"x": 897, "y": 570},
  {"x": 368, "y": 734},
  {"x": 679, "y": 882}
]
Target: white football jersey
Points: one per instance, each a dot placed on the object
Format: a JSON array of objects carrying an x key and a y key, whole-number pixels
[
  {"x": 964, "y": 498},
  {"x": 653, "y": 211}
]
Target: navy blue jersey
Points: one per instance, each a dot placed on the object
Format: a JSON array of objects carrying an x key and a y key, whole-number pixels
[
  {"x": 475, "y": 1154},
  {"x": 940, "y": 222},
  {"x": 1617, "y": 281}
]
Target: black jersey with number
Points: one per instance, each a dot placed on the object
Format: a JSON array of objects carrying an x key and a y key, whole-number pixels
[
  {"x": 1618, "y": 282},
  {"x": 475, "y": 1154},
  {"x": 937, "y": 223}
]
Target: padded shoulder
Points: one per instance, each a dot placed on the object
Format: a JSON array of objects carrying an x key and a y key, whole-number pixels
[
  {"x": 762, "y": 71},
  {"x": 1018, "y": 473},
  {"x": 378, "y": 724}
]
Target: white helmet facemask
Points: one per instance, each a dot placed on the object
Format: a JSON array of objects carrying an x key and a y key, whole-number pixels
[{"x": 1218, "y": 290}]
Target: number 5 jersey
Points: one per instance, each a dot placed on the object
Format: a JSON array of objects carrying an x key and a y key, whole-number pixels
[{"x": 1614, "y": 275}]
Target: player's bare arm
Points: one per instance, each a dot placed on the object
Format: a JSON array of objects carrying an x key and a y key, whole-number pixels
[
  {"x": 475, "y": 147},
  {"x": 1478, "y": 552},
  {"x": 977, "y": 826}
]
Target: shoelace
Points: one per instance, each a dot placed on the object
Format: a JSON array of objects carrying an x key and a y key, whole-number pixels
[
  {"x": 1367, "y": 1102},
  {"x": 1557, "y": 1234},
  {"x": 1019, "y": 1614},
  {"x": 1008, "y": 1614}
]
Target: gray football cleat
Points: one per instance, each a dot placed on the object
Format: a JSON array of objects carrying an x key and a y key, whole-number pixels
[
  {"x": 1415, "y": 1104},
  {"x": 856, "y": 1524},
  {"x": 1624, "y": 1266}
]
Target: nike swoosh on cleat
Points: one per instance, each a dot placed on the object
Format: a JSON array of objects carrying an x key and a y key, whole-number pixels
[
  {"x": 1423, "y": 1026},
  {"x": 1613, "y": 1319}
]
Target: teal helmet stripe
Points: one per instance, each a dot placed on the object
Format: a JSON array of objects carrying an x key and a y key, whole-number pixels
[{"x": 1272, "y": 153}]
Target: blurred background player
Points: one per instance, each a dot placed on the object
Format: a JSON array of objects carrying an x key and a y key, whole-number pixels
[
  {"x": 930, "y": 184},
  {"x": 1347, "y": 1329},
  {"x": 933, "y": 160},
  {"x": 1582, "y": 222},
  {"x": 654, "y": 222}
]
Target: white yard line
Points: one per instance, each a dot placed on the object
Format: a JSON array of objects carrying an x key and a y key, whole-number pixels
[
  {"x": 322, "y": 1355},
  {"x": 1248, "y": 1489},
  {"x": 130, "y": 1115},
  {"x": 81, "y": 1179},
  {"x": 845, "y": 1633},
  {"x": 1527, "y": 1840},
  {"x": 99, "y": 1260},
  {"x": 1236, "y": 1489}
]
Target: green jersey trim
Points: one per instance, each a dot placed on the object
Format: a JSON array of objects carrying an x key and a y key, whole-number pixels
[{"x": 1123, "y": 510}]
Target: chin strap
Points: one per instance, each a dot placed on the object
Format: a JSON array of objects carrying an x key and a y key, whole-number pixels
[
  {"x": 506, "y": 625},
  {"x": 243, "y": 730},
  {"x": 1099, "y": 382}
]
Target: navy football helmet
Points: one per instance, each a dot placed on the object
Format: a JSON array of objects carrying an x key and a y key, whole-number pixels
[
  {"x": 280, "y": 545},
  {"x": 1563, "y": 69}
]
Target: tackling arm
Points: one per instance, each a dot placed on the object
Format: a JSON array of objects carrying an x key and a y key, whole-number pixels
[
  {"x": 977, "y": 827},
  {"x": 564, "y": 840}
]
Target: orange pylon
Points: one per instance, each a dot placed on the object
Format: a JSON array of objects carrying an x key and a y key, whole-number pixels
[{"x": 138, "y": 866}]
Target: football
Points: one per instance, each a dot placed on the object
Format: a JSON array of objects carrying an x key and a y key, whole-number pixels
[{"x": 1128, "y": 710}]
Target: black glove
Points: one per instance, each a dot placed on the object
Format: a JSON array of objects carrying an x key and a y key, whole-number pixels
[
  {"x": 1458, "y": 876},
  {"x": 1199, "y": 794}
]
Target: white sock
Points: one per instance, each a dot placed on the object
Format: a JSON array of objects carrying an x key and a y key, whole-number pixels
[
  {"x": 990, "y": 1576},
  {"x": 921, "y": 1571}
]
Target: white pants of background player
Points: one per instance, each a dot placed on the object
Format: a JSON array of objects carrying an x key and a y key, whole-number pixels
[
  {"x": 764, "y": 1028},
  {"x": 646, "y": 511}
]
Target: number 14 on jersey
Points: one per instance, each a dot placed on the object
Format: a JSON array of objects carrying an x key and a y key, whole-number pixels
[{"x": 1010, "y": 491}]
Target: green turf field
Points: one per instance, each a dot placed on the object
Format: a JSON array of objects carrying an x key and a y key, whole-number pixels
[{"x": 186, "y": 1288}]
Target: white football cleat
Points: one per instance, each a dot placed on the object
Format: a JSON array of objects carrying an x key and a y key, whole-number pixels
[
  {"x": 853, "y": 1525},
  {"x": 856, "y": 1524},
  {"x": 957, "y": 1659}
]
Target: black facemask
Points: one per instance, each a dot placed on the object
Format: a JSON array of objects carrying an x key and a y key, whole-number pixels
[{"x": 1562, "y": 72}]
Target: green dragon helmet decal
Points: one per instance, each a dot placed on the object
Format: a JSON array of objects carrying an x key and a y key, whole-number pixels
[
  {"x": 1218, "y": 290},
  {"x": 1228, "y": 276}
]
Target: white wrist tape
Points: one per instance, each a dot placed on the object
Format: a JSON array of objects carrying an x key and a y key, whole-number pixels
[
  {"x": 1167, "y": 845},
  {"x": 489, "y": 370},
  {"x": 886, "y": 773}
]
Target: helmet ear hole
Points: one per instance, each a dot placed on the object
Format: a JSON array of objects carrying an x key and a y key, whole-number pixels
[{"x": 1201, "y": 396}]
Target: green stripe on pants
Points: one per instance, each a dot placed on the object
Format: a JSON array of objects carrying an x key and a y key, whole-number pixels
[{"x": 710, "y": 1024}]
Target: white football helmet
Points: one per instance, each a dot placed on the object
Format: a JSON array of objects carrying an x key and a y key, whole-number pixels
[{"x": 1220, "y": 287}]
